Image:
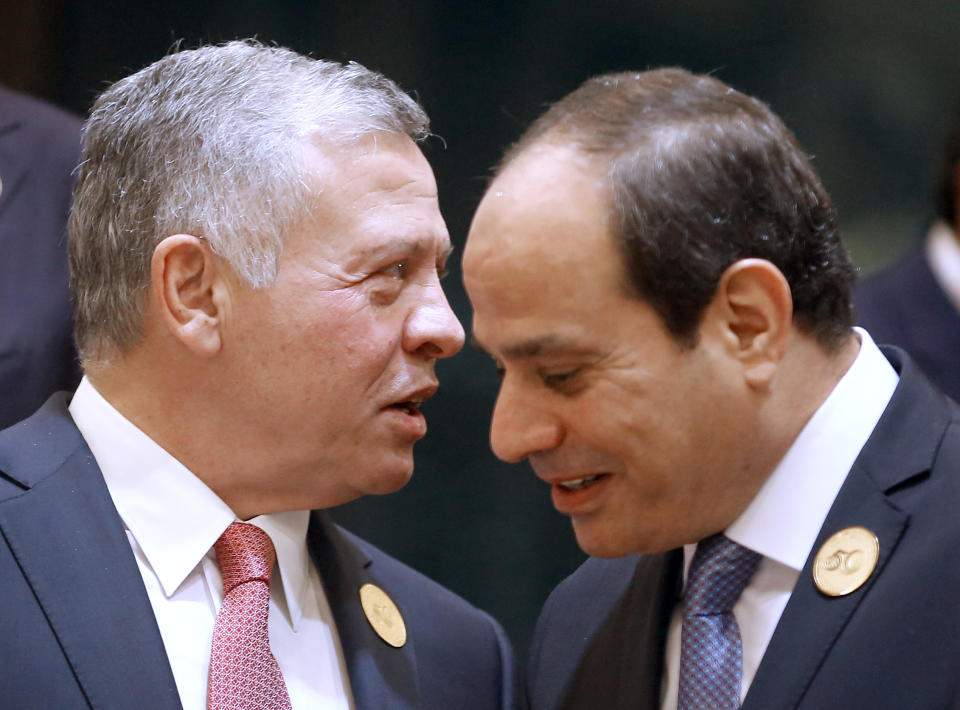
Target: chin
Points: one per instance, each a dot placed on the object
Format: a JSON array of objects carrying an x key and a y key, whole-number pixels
[
  {"x": 391, "y": 478},
  {"x": 596, "y": 543},
  {"x": 607, "y": 542}
]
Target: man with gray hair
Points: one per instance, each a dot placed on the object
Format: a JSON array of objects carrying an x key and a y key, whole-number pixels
[{"x": 255, "y": 253}]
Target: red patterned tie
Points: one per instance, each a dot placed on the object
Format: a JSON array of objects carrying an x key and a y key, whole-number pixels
[{"x": 244, "y": 675}]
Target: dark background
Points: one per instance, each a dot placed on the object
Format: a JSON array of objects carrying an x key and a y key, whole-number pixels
[{"x": 865, "y": 84}]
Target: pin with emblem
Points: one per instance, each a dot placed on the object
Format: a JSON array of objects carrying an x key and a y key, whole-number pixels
[
  {"x": 846, "y": 561},
  {"x": 383, "y": 615}
]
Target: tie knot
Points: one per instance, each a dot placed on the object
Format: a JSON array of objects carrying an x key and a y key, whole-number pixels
[
  {"x": 718, "y": 574},
  {"x": 244, "y": 553}
]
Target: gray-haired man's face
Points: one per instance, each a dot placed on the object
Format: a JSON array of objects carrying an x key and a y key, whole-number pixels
[{"x": 332, "y": 361}]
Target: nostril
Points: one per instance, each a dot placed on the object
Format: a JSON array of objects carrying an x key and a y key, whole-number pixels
[{"x": 431, "y": 350}]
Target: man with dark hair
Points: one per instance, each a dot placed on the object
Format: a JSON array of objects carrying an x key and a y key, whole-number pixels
[
  {"x": 255, "y": 254},
  {"x": 915, "y": 303},
  {"x": 656, "y": 270}
]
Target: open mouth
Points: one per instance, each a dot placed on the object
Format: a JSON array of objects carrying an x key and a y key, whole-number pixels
[
  {"x": 577, "y": 484},
  {"x": 409, "y": 407}
]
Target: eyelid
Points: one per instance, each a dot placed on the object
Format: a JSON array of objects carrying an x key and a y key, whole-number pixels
[
  {"x": 559, "y": 379},
  {"x": 398, "y": 269}
]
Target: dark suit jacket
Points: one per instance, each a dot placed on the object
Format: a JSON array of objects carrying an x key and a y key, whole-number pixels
[
  {"x": 77, "y": 629},
  {"x": 39, "y": 148},
  {"x": 891, "y": 644},
  {"x": 904, "y": 305}
]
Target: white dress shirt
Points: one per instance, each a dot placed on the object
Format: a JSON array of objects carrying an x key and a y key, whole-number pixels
[
  {"x": 783, "y": 520},
  {"x": 172, "y": 520},
  {"x": 943, "y": 255}
]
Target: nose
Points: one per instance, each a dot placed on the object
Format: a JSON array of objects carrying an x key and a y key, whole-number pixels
[
  {"x": 432, "y": 328},
  {"x": 521, "y": 425}
]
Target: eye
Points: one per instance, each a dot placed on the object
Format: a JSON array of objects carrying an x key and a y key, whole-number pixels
[
  {"x": 558, "y": 380},
  {"x": 388, "y": 283},
  {"x": 397, "y": 270}
]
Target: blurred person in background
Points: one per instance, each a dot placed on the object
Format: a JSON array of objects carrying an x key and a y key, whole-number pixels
[
  {"x": 915, "y": 303},
  {"x": 39, "y": 149}
]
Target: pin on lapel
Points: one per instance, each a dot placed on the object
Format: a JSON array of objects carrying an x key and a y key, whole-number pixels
[
  {"x": 383, "y": 615},
  {"x": 845, "y": 561}
]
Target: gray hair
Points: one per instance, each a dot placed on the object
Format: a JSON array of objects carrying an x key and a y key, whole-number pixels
[{"x": 207, "y": 142}]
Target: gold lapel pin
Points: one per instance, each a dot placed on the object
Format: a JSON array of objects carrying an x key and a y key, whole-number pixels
[
  {"x": 845, "y": 561},
  {"x": 383, "y": 615}
]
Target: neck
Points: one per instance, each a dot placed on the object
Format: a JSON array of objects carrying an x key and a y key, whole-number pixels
[
  {"x": 805, "y": 378},
  {"x": 178, "y": 407}
]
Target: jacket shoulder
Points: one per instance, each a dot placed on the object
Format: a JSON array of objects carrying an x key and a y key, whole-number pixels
[
  {"x": 36, "y": 447},
  {"x": 582, "y": 601},
  {"x": 40, "y": 121}
]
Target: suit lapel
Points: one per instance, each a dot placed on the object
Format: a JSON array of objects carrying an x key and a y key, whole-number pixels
[
  {"x": 381, "y": 676},
  {"x": 812, "y": 622},
  {"x": 645, "y": 632},
  {"x": 621, "y": 664},
  {"x": 69, "y": 541}
]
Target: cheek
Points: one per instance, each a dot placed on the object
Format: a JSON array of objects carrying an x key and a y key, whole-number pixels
[
  {"x": 647, "y": 431},
  {"x": 365, "y": 342}
]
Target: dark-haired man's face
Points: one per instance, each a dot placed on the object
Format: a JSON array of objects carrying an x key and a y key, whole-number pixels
[{"x": 643, "y": 442}]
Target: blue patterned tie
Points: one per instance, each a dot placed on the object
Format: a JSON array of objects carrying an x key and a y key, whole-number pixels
[{"x": 711, "y": 656}]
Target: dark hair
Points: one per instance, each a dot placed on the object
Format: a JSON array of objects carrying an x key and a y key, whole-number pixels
[{"x": 701, "y": 176}]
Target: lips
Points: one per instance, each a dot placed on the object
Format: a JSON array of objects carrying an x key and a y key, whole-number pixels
[
  {"x": 411, "y": 406},
  {"x": 573, "y": 494},
  {"x": 565, "y": 480},
  {"x": 577, "y": 484},
  {"x": 410, "y": 402}
]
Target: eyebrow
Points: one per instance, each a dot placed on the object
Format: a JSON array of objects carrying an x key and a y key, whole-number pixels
[
  {"x": 406, "y": 248},
  {"x": 532, "y": 347}
]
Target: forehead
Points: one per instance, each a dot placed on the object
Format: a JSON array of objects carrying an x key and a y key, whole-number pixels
[
  {"x": 543, "y": 223},
  {"x": 541, "y": 266},
  {"x": 378, "y": 189}
]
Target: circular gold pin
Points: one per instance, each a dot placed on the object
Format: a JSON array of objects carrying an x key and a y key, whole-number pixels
[
  {"x": 846, "y": 561},
  {"x": 383, "y": 615}
]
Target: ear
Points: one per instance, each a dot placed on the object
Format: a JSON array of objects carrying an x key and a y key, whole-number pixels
[
  {"x": 755, "y": 310},
  {"x": 188, "y": 287}
]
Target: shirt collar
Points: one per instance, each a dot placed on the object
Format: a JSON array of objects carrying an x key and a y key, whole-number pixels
[
  {"x": 784, "y": 518},
  {"x": 173, "y": 516},
  {"x": 288, "y": 532}
]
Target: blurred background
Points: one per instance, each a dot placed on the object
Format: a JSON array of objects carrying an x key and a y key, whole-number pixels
[{"x": 866, "y": 85}]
